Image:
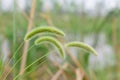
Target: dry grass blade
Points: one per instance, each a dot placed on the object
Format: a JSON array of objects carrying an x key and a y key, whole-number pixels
[
  {"x": 79, "y": 74},
  {"x": 26, "y": 45},
  {"x": 59, "y": 72}
]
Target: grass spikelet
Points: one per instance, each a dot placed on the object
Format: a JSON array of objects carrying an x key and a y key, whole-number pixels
[
  {"x": 53, "y": 41},
  {"x": 48, "y": 29},
  {"x": 81, "y": 45}
]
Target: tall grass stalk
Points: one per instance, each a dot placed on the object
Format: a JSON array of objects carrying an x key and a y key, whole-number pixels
[{"x": 30, "y": 24}]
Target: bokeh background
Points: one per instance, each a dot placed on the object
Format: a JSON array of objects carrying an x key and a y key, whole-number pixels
[{"x": 95, "y": 22}]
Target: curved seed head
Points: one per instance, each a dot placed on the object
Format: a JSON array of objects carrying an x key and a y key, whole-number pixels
[
  {"x": 81, "y": 45},
  {"x": 53, "y": 41},
  {"x": 48, "y": 29}
]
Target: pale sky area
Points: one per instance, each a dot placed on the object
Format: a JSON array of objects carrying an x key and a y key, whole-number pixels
[{"x": 89, "y": 4}]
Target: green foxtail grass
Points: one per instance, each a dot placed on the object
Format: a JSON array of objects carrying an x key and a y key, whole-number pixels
[
  {"x": 53, "y": 41},
  {"x": 51, "y": 30},
  {"x": 81, "y": 45}
]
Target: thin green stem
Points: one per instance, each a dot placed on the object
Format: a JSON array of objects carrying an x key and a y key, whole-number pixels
[
  {"x": 17, "y": 62},
  {"x": 31, "y": 65},
  {"x": 14, "y": 26},
  {"x": 15, "y": 53},
  {"x": 34, "y": 68}
]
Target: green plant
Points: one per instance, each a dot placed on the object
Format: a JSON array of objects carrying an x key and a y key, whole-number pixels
[
  {"x": 49, "y": 29},
  {"x": 81, "y": 45},
  {"x": 52, "y": 40},
  {"x": 44, "y": 29}
]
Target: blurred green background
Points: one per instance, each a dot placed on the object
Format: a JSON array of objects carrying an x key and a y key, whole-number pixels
[{"x": 95, "y": 22}]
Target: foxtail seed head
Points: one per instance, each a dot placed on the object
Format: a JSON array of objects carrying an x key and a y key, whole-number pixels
[
  {"x": 51, "y": 30},
  {"x": 81, "y": 45},
  {"x": 53, "y": 41}
]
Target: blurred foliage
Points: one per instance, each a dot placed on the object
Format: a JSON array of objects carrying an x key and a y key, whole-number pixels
[{"x": 71, "y": 23}]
